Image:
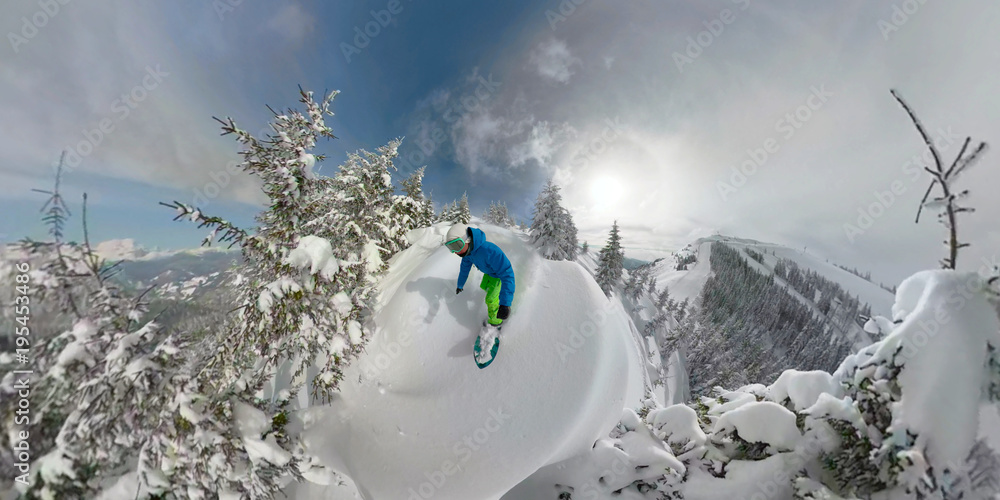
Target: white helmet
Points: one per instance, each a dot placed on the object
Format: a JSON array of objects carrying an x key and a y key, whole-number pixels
[{"x": 457, "y": 233}]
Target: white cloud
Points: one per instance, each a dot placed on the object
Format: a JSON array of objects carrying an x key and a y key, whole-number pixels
[
  {"x": 540, "y": 144},
  {"x": 685, "y": 131},
  {"x": 553, "y": 60},
  {"x": 292, "y": 22},
  {"x": 489, "y": 143},
  {"x": 112, "y": 63}
]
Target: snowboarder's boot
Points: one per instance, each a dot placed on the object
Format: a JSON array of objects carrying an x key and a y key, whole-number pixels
[
  {"x": 486, "y": 324},
  {"x": 487, "y": 344}
]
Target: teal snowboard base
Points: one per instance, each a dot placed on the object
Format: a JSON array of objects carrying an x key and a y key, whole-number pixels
[{"x": 477, "y": 352}]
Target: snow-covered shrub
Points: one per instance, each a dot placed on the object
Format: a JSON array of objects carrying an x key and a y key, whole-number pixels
[
  {"x": 897, "y": 419},
  {"x": 102, "y": 389},
  {"x": 116, "y": 399}
]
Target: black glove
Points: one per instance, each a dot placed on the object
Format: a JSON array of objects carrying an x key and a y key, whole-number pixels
[
  {"x": 503, "y": 312},
  {"x": 458, "y": 291}
]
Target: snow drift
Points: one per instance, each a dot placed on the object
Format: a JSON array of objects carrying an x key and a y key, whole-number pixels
[
  {"x": 415, "y": 418},
  {"x": 898, "y": 419}
]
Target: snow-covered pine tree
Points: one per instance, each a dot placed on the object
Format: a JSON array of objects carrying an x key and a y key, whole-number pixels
[
  {"x": 416, "y": 205},
  {"x": 635, "y": 285},
  {"x": 275, "y": 297},
  {"x": 490, "y": 213},
  {"x": 427, "y": 212},
  {"x": 509, "y": 218},
  {"x": 552, "y": 228},
  {"x": 448, "y": 213},
  {"x": 365, "y": 213},
  {"x": 108, "y": 387},
  {"x": 463, "y": 214},
  {"x": 611, "y": 262},
  {"x": 498, "y": 215},
  {"x": 304, "y": 295},
  {"x": 586, "y": 247},
  {"x": 570, "y": 241}
]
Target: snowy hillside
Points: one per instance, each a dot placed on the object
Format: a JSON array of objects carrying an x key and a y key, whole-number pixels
[
  {"x": 178, "y": 274},
  {"x": 688, "y": 284},
  {"x": 415, "y": 415}
]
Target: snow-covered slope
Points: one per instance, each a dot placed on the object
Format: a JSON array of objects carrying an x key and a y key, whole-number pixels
[
  {"x": 688, "y": 284},
  {"x": 416, "y": 417},
  {"x": 879, "y": 298}
]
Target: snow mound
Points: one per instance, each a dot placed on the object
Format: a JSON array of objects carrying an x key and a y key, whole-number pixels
[
  {"x": 942, "y": 355},
  {"x": 678, "y": 425},
  {"x": 762, "y": 422},
  {"x": 802, "y": 388},
  {"x": 415, "y": 416}
]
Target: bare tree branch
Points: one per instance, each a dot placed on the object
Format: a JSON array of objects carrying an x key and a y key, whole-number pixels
[
  {"x": 924, "y": 200},
  {"x": 961, "y": 152},
  {"x": 920, "y": 128}
]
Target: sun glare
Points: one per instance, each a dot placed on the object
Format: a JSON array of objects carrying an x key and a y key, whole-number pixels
[{"x": 606, "y": 190}]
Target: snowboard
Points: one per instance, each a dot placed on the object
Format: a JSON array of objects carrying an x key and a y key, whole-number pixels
[{"x": 483, "y": 359}]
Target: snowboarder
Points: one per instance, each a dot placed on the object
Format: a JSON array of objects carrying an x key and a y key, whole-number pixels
[{"x": 470, "y": 244}]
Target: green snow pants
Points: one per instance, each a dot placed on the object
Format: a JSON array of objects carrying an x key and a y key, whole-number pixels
[{"x": 492, "y": 287}]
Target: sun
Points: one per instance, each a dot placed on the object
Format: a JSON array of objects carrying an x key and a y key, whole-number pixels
[{"x": 606, "y": 190}]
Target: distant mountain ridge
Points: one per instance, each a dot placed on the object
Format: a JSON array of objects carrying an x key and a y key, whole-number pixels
[
  {"x": 868, "y": 292},
  {"x": 755, "y": 309},
  {"x": 128, "y": 250}
]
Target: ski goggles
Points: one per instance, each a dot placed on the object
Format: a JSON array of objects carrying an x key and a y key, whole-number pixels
[{"x": 456, "y": 244}]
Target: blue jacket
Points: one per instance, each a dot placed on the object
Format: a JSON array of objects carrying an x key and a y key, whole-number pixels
[{"x": 489, "y": 259}]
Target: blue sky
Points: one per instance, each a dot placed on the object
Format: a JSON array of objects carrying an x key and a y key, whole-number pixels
[
  {"x": 642, "y": 111},
  {"x": 232, "y": 60}
]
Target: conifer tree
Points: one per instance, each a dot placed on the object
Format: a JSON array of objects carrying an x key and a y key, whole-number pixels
[
  {"x": 552, "y": 228},
  {"x": 427, "y": 214},
  {"x": 413, "y": 205},
  {"x": 449, "y": 213},
  {"x": 463, "y": 214},
  {"x": 612, "y": 261}
]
